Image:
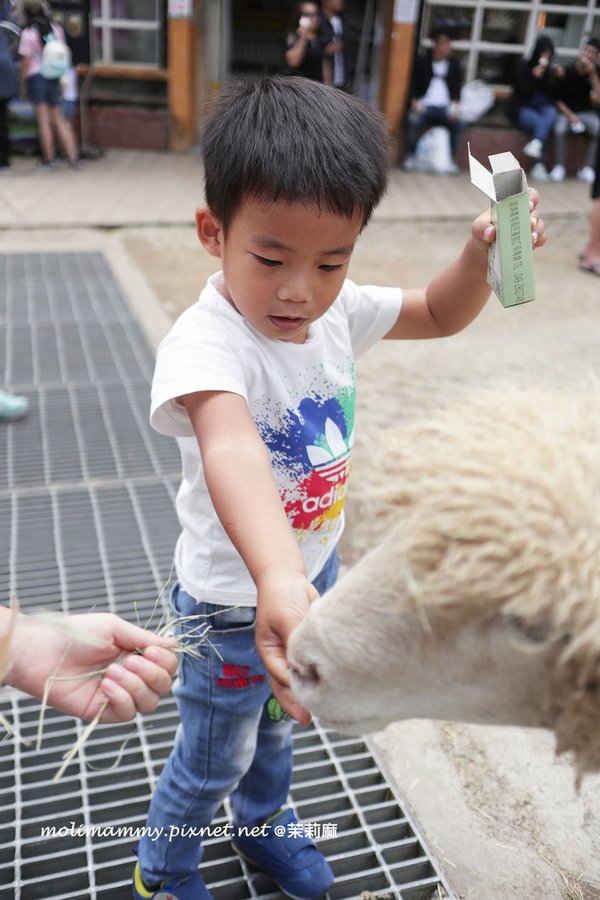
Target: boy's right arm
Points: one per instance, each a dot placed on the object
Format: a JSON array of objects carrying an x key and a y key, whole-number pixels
[{"x": 238, "y": 474}]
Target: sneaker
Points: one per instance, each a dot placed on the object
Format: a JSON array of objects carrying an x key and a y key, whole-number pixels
[
  {"x": 558, "y": 173},
  {"x": 288, "y": 855},
  {"x": 12, "y": 407},
  {"x": 534, "y": 149},
  {"x": 586, "y": 174},
  {"x": 45, "y": 165},
  {"x": 539, "y": 172},
  {"x": 5, "y": 170},
  {"x": 75, "y": 163},
  {"x": 192, "y": 888}
]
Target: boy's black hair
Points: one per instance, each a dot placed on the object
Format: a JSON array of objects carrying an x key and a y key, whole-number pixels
[
  {"x": 592, "y": 42},
  {"x": 292, "y": 139}
]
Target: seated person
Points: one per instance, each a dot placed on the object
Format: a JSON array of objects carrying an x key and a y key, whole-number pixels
[
  {"x": 434, "y": 94},
  {"x": 532, "y": 105},
  {"x": 578, "y": 103}
]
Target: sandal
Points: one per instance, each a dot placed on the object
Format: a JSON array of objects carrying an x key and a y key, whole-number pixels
[{"x": 592, "y": 268}]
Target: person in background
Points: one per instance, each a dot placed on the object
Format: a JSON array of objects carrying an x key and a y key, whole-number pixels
[
  {"x": 338, "y": 44},
  {"x": 304, "y": 53},
  {"x": 589, "y": 260},
  {"x": 532, "y": 105},
  {"x": 9, "y": 87},
  {"x": 436, "y": 83},
  {"x": 44, "y": 93},
  {"x": 578, "y": 104},
  {"x": 69, "y": 97},
  {"x": 12, "y": 406}
]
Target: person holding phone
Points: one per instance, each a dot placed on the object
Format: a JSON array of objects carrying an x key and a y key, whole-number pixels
[
  {"x": 532, "y": 105},
  {"x": 305, "y": 49}
]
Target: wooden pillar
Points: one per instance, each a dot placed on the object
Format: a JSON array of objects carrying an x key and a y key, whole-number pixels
[
  {"x": 182, "y": 75},
  {"x": 399, "y": 62}
]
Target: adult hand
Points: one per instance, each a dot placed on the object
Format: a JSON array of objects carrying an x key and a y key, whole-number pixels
[{"x": 91, "y": 661}]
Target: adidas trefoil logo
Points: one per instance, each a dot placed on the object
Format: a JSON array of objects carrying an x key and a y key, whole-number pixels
[{"x": 332, "y": 464}]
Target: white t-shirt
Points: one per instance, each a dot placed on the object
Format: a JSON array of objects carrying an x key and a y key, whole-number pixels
[
  {"x": 437, "y": 92},
  {"x": 301, "y": 398}
]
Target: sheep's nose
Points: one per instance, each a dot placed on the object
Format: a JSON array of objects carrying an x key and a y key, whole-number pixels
[{"x": 307, "y": 673}]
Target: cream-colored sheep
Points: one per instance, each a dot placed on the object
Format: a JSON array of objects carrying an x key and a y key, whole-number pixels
[{"x": 481, "y": 599}]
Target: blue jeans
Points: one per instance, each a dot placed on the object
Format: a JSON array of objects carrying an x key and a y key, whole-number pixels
[
  {"x": 428, "y": 117},
  {"x": 226, "y": 745},
  {"x": 537, "y": 121}
]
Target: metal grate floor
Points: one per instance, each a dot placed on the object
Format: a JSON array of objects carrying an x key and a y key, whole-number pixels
[{"x": 87, "y": 522}]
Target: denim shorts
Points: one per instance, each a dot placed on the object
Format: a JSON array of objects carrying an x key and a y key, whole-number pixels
[{"x": 43, "y": 90}]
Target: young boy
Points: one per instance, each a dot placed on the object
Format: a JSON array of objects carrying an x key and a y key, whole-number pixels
[{"x": 256, "y": 381}]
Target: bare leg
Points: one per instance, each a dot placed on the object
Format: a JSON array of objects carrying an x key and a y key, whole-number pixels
[
  {"x": 63, "y": 133},
  {"x": 591, "y": 253},
  {"x": 42, "y": 115}
]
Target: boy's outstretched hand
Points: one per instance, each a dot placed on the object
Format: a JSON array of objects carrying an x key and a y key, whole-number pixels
[
  {"x": 126, "y": 665},
  {"x": 283, "y": 600},
  {"x": 483, "y": 232}
]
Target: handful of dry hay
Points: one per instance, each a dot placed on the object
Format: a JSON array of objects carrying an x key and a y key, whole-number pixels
[{"x": 195, "y": 637}]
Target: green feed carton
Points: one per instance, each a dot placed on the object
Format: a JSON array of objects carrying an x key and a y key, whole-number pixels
[{"x": 510, "y": 258}]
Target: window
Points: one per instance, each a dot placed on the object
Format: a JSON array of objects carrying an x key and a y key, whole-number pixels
[
  {"x": 128, "y": 31},
  {"x": 491, "y": 36}
]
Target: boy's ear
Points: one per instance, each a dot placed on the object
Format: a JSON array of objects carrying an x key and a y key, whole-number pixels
[{"x": 209, "y": 230}]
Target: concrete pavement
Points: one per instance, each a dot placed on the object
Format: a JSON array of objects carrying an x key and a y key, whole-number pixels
[{"x": 133, "y": 187}]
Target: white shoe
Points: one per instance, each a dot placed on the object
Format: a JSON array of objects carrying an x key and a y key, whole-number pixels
[
  {"x": 534, "y": 149},
  {"x": 558, "y": 173},
  {"x": 586, "y": 174},
  {"x": 539, "y": 172}
]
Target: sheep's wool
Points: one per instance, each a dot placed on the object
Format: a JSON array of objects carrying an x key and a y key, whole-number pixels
[{"x": 495, "y": 508}]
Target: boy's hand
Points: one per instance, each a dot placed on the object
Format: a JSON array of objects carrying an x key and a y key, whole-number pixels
[
  {"x": 283, "y": 600},
  {"x": 483, "y": 232}
]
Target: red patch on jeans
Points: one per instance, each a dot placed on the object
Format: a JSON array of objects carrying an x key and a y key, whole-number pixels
[{"x": 237, "y": 677}]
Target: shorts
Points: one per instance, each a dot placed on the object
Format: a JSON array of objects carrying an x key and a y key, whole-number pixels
[
  {"x": 43, "y": 90},
  {"x": 68, "y": 109}
]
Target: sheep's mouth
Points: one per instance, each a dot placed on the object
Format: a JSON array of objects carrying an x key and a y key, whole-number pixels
[{"x": 353, "y": 726}]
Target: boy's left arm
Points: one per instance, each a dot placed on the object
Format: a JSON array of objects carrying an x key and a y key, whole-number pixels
[{"x": 457, "y": 295}]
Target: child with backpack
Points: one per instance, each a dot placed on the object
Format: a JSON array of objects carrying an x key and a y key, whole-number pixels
[{"x": 45, "y": 58}]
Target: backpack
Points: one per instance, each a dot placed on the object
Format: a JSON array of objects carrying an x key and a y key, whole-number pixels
[{"x": 56, "y": 57}]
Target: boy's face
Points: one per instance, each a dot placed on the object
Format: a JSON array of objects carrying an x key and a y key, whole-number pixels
[{"x": 283, "y": 263}]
